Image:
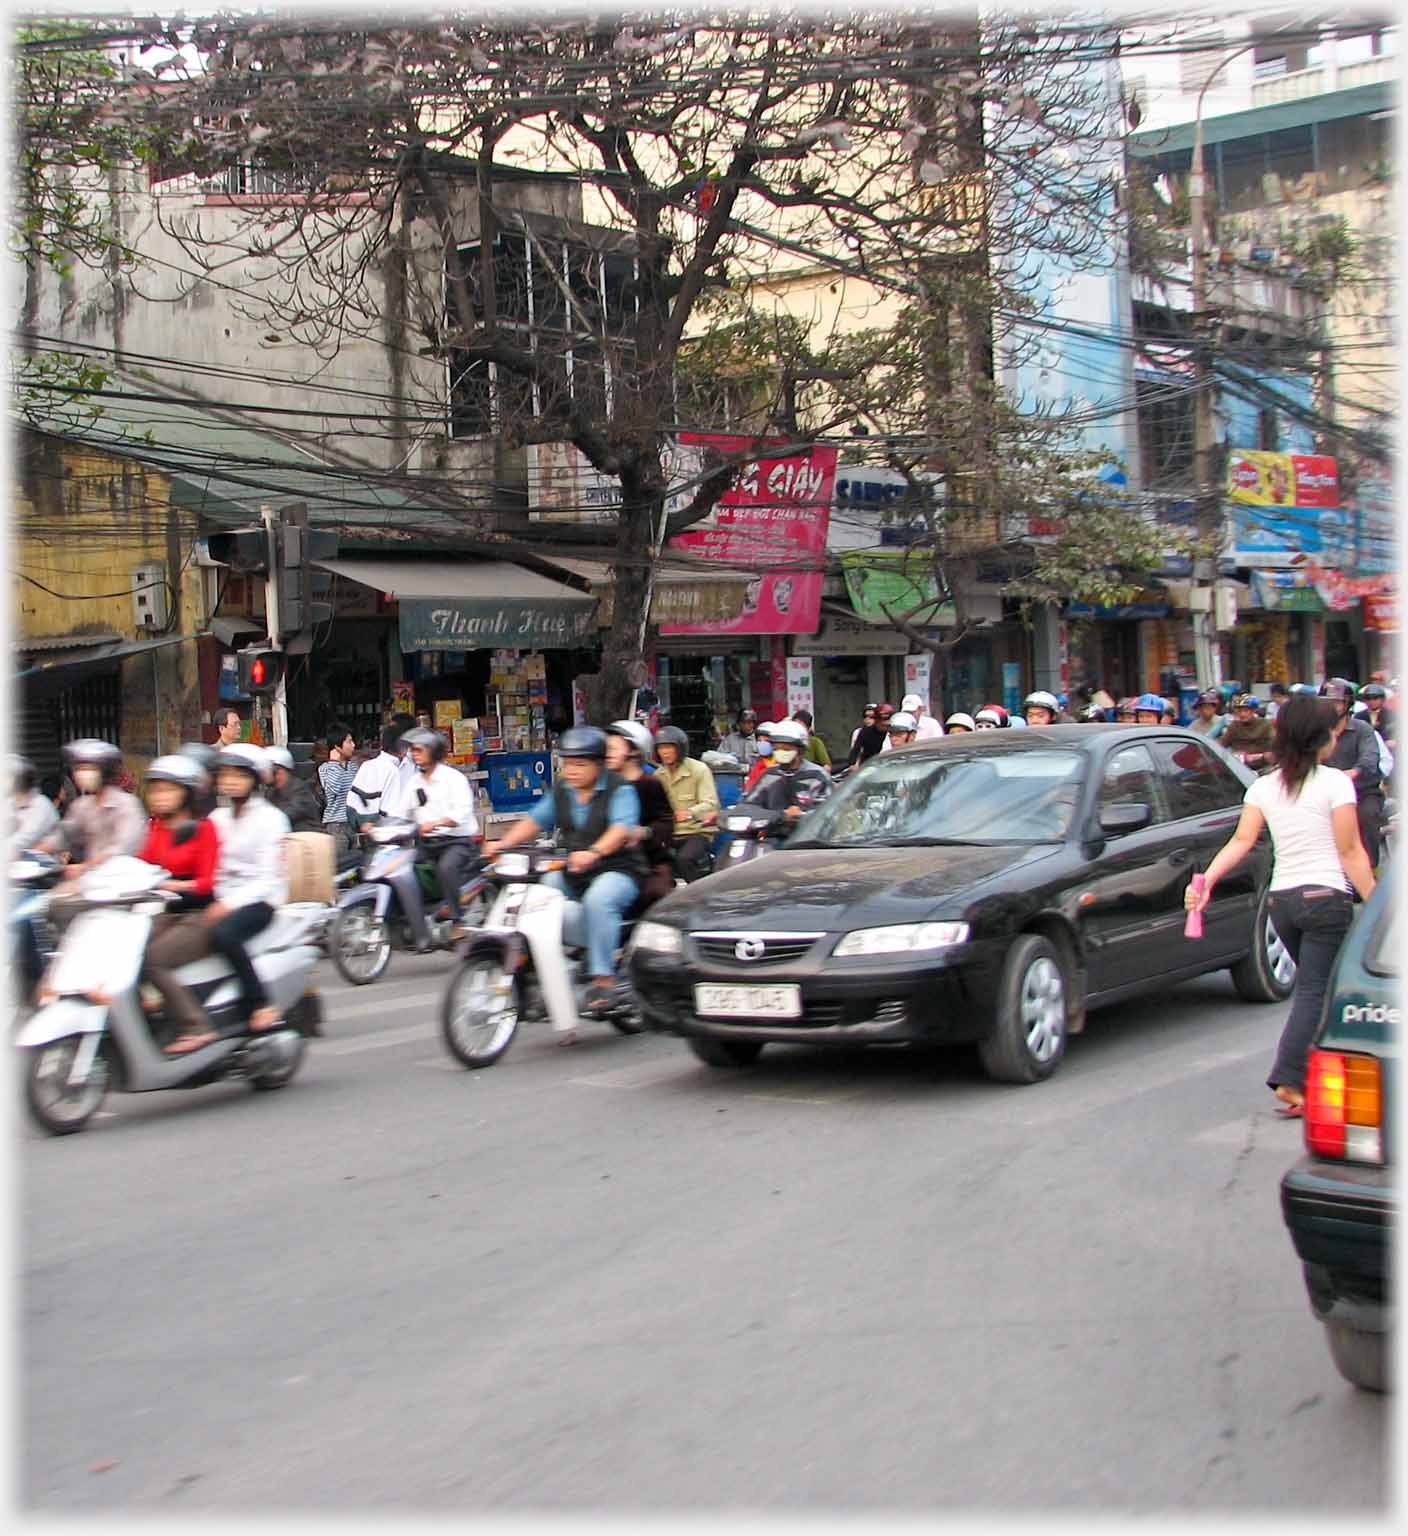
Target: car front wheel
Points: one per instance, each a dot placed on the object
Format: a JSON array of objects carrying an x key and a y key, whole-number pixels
[
  {"x": 1030, "y": 1020},
  {"x": 1360, "y": 1357},
  {"x": 1267, "y": 974}
]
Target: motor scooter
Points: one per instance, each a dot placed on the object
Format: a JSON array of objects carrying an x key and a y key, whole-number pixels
[
  {"x": 93, "y": 1035},
  {"x": 388, "y": 908},
  {"x": 32, "y": 876},
  {"x": 751, "y": 835},
  {"x": 525, "y": 962}
]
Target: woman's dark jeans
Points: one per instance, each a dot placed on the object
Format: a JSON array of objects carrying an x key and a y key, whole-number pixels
[{"x": 1312, "y": 921}]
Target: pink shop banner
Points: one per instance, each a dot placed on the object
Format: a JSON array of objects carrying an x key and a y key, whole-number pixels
[{"x": 771, "y": 524}]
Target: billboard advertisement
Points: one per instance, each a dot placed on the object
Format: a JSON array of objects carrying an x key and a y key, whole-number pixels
[{"x": 771, "y": 522}]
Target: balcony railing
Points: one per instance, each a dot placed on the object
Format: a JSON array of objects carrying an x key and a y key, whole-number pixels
[{"x": 1314, "y": 82}]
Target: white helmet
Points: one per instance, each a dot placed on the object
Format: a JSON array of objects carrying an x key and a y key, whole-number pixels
[
  {"x": 788, "y": 733},
  {"x": 912, "y": 704},
  {"x": 635, "y": 733},
  {"x": 765, "y": 728},
  {"x": 960, "y": 720},
  {"x": 244, "y": 755},
  {"x": 1041, "y": 700},
  {"x": 279, "y": 757},
  {"x": 903, "y": 721}
]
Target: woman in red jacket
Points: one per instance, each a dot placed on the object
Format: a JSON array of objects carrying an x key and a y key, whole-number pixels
[{"x": 181, "y": 842}]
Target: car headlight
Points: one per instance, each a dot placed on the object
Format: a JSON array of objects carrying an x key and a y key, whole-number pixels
[
  {"x": 902, "y": 938},
  {"x": 658, "y": 938}
]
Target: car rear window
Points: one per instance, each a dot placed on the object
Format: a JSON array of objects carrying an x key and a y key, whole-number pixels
[
  {"x": 959, "y": 797},
  {"x": 1382, "y": 951}
]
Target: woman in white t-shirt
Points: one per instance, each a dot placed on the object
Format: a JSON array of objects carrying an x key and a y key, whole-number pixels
[{"x": 1318, "y": 856}]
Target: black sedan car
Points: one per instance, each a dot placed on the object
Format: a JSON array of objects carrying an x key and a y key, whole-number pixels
[
  {"x": 1340, "y": 1201},
  {"x": 988, "y": 887}
]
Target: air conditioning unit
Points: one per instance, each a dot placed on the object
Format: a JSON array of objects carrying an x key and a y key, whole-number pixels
[{"x": 150, "y": 606}]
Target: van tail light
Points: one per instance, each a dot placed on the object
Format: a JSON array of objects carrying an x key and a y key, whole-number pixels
[{"x": 1344, "y": 1106}]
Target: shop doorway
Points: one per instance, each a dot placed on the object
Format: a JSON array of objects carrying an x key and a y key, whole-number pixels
[{"x": 840, "y": 685}]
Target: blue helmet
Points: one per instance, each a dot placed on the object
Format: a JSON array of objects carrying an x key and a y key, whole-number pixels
[{"x": 1150, "y": 701}]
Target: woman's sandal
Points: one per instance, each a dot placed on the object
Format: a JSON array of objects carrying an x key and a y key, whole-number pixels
[
  {"x": 183, "y": 1045},
  {"x": 269, "y": 1022},
  {"x": 1291, "y": 1111}
]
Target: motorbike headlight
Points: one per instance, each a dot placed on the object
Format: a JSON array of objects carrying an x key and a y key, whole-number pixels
[
  {"x": 658, "y": 938},
  {"x": 738, "y": 823},
  {"x": 513, "y": 866},
  {"x": 902, "y": 938}
]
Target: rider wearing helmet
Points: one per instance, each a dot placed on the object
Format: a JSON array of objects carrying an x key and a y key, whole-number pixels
[
  {"x": 991, "y": 717},
  {"x": 1124, "y": 711},
  {"x": 925, "y": 726},
  {"x": 903, "y": 729},
  {"x": 103, "y": 820},
  {"x": 742, "y": 741},
  {"x": 251, "y": 880},
  {"x": 1249, "y": 735},
  {"x": 1041, "y": 707},
  {"x": 693, "y": 797},
  {"x": 440, "y": 800},
  {"x": 793, "y": 784},
  {"x": 1356, "y": 752},
  {"x": 292, "y": 796},
  {"x": 1374, "y": 697},
  {"x": 1208, "y": 719},
  {"x": 763, "y": 761},
  {"x": 959, "y": 721},
  {"x": 33, "y": 815},
  {"x": 869, "y": 737},
  {"x": 1149, "y": 709},
  {"x": 628, "y": 749},
  {"x": 594, "y": 814},
  {"x": 1092, "y": 714}
]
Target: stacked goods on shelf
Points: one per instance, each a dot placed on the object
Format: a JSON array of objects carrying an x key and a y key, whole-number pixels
[{"x": 518, "y": 684}]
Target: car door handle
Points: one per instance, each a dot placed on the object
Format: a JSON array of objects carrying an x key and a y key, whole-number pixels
[{"x": 1179, "y": 857}]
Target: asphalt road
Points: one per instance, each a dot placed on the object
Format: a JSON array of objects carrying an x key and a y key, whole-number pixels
[{"x": 611, "y": 1278}]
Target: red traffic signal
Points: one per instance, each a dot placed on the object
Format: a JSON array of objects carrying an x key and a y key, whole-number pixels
[{"x": 260, "y": 671}]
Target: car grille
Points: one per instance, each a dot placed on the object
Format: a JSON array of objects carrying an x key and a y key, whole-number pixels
[
  {"x": 828, "y": 1015},
  {"x": 721, "y": 949}
]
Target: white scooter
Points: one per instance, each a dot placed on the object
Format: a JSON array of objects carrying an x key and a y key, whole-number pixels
[
  {"x": 94, "y": 1034},
  {"x": 526, "y": 961}
]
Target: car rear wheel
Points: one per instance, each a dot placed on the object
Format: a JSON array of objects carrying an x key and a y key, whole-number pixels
[
  {"x": 1267, "y": 974},
  {"x": 1030, "y": 1020},
  {"x": 1360, "y": 1357},
  {"x": 726, "y": 1053}
]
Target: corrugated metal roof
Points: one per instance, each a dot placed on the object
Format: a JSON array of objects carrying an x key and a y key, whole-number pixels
[
  {"x": 1325, "y": 107},
  {"x": 452, "y": 579},
  {"x": 62, "y": 642}
]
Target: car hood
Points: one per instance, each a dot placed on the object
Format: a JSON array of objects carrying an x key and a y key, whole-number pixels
[{"x": 832, "y": 889}]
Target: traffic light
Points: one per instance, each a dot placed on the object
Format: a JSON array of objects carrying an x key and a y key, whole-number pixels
[
  {"x": 303, "y": 590},
  {"x": 260, "y": 670},
  {"x": 242, "y": 549}
]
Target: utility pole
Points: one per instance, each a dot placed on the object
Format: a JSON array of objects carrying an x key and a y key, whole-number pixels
[{"x": 279, "y": 703}]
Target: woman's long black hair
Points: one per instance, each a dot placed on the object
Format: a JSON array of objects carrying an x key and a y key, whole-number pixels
[{"x": 1303, "y": 725}]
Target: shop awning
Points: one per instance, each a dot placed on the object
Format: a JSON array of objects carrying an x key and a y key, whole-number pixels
[
  {"x": 685, "y": 592},
  {"x": 64, "y": 671},
  {"x": 466, "y": 605}
]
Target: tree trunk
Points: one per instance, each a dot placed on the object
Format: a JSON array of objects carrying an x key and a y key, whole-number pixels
[{"x": 608, "y": 693}]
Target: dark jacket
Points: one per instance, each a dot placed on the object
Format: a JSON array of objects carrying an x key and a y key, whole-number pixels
[
  {"x": 1358, "y": 748},
  {"x": 298, "y": 803},
  {"x": 656, "y": 814},
  {"x": 778, "y": 790},
  {"x": 867, "y": 744},
  {"x": 628, "y": 860}
]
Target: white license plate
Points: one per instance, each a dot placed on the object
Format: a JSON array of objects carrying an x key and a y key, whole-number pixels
[{"x": 748, "y": 1002}]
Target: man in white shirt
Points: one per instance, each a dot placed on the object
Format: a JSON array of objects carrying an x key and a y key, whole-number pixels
[
  {"x": 927, "y": 727},
  {"x": 33, "y": 816},
  {"x": 380, "y": 779},
  {"x": 251, "y": 881},
  {"x": 439, "y": 798}
]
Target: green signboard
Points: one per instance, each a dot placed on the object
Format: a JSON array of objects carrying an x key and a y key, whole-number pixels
[
  {"x": 471, "y": 624},
  {"x": 897, "y": 579}
]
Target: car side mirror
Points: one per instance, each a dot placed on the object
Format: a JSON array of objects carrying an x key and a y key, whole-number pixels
[{"x": 1118, "y": 819}]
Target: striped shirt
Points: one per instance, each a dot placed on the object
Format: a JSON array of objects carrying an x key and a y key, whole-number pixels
[{"x": 336, "y": 779}]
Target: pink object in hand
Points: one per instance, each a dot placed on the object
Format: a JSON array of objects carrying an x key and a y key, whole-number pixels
[{"x": 1193, "y": 924}]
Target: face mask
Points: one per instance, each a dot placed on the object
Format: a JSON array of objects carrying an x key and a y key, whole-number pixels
[
  {"x": 88, "y": 780},
  {"x": 785, "y": 756}
]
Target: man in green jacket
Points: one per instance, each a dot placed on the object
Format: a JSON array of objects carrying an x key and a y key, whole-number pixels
[{"x": 816, "y": 748}]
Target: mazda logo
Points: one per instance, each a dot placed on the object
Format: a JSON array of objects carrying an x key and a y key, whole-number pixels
[{"x": 750, "y": 949}]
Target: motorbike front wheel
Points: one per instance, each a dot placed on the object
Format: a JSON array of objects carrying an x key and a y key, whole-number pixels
[
  {"x": 57, "y": 1106},
  {"x": 479, "y": 1016},
  {"x": 359, "y": 943}
]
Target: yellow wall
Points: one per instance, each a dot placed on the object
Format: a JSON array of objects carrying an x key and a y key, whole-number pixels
[{"x": 81, "y": 522}]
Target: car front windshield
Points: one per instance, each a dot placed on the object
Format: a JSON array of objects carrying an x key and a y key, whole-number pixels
[{"x": 982, "y": 798}]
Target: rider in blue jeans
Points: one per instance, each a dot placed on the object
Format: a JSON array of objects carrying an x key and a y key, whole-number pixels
[{"x": 594, "y": 814}]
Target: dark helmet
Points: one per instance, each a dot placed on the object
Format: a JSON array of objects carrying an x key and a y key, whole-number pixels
[
  {"x": 1126, "y": 706},
  {"x": 1373, "y": 691},
  {"x": 90, "y": 753},
  {"x": 173, "y": 768},
  {"x": 1247, "y": 701},
  {"x": 672, "y": 736},
  {"x": 23, "y": 774},
  {"x": 1210, "y": 696},
  {"x": 1339, "y": 688},
  {"x": 583, "y": 741},
  {"x": 432, "y": 741}
]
